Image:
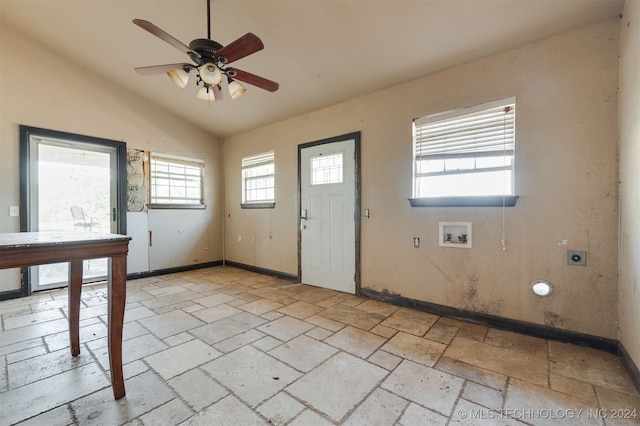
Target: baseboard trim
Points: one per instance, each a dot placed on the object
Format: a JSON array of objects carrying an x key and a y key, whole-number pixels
[
  {"x": 264, "y": 271},
  {"x": 631, "y": 366},
  {"x": 15, "y": 294},
  {"x": 166, "y": 271},
  {"x": 535, "y": 330},
  {"x": 12, "y": 294}
]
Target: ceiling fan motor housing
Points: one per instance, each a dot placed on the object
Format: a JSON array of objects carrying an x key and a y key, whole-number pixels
[{"x": 206, "y": 49}]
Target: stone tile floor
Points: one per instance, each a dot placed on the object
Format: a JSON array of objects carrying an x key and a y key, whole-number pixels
[{"x": 225, "y": 346}]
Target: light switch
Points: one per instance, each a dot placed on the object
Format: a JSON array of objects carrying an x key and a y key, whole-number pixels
[{"x": 14, "y": 210}]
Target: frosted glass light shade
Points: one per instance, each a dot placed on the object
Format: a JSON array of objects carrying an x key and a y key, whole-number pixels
[
  {"x": 236, "y": 89},
  {"x": 206, "y": 94},
  {"x": 179, "y": 77},
  {"x": 210, "y": 74}
]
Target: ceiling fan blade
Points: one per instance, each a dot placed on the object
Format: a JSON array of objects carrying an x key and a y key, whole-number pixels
[
  {"x": 254, "y": 80},
  {"x": 244, "y": 46},
  {"x": 163, "y": 35},
  {"x": 159, "y": 69},
  {"x": 217, "y": 93}
]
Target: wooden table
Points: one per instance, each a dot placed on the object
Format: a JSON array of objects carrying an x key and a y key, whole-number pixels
[{"x": 38, "y": 248}]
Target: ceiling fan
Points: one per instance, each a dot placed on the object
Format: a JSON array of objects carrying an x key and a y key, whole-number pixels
[{"x": 211, "y": 61}]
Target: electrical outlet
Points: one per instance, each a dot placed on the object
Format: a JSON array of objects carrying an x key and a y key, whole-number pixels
[
  {"x": 578, "y": 258},
  {"x": 416, "y": 242},
  {"x": 14, "y": 211}
]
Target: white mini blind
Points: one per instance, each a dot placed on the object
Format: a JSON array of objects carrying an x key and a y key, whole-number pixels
[
  {"x": 466, "y": 152},
  {"x": 487, "y": 129},
  {"x": 258, "y": 159},
  {"x": 176, "y": 180}
]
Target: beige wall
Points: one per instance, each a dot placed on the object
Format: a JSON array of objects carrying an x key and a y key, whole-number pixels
[
  {"x": 566, "y": 89},
  {"x": 629, "y": 123},
  {"x": 39, "y": 88},
  {"x": 566, "y": 165}
]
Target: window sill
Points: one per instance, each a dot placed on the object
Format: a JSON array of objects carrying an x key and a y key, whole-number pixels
[
  {"x": 476, "y": 201},
  {"x": 257, "y": 205},
  {"x": 178, "y": 206}
]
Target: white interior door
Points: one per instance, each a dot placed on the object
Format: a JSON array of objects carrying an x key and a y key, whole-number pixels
[{"x": 328, "y": 216}]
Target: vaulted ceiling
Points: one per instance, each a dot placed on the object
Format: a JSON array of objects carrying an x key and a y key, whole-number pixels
[{"x": 320, "y": 51}]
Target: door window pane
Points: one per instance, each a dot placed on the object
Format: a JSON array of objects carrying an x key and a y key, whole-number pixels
[
  {"x": 73, "y": 194},
  {"x": 326, "y": 169}
]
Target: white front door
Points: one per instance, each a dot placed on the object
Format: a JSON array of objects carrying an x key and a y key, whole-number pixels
[{"x": 328, "y": 215}]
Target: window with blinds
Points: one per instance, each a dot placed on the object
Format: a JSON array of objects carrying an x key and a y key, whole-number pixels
[
  {"x": 176, "y": 181},
  {"x": 467, "y": 152},
  {"x": 258, "y": 181}
]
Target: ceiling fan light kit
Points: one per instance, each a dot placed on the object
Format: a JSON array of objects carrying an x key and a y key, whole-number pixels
[
  {"x": 235, "y": 89},
  {"x": 179, "y": 77},
  {"x": 210, "y": 60},
  {"x": 210, "y": 74},
  {"x": 206, "y": 94}
]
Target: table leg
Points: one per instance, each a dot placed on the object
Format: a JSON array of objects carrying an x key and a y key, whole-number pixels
[
  {"x": 75, "y": 290},
  {"x": 117, "y": 298}
]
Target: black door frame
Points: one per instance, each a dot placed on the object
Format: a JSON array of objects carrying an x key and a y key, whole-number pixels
[{"x": 26, "y": 132}]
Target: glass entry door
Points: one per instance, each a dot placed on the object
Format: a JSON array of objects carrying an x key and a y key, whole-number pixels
[{"x": 73, "y": 189}]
